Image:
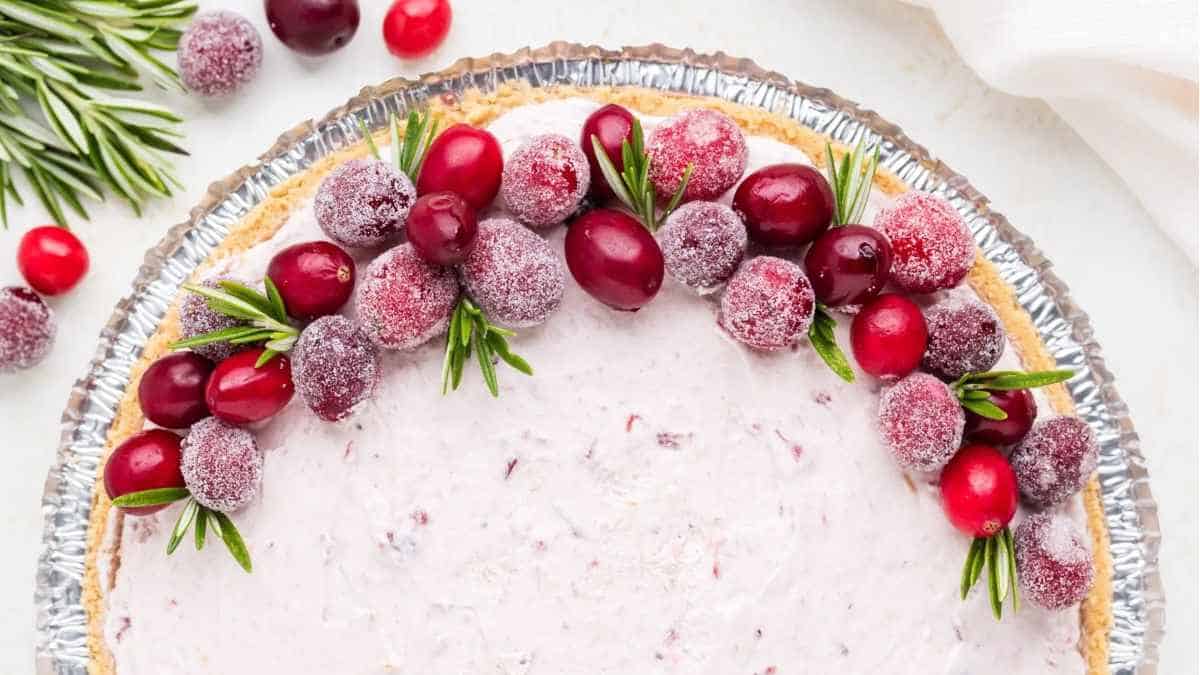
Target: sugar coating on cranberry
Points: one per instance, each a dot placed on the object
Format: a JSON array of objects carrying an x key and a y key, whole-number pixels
[
  {"x": 197, "y": 318},
  {"x": 545, "y": 180},
  {"x": 932, "y": 248},
  {"x": 27, "y": 329},
  {"x": 219, "y": 53},
  {"x": 708, "y": 140},
  {"x": 335, "y": 367},
  {"x": 921, "y": 422},
  {"x": 768, "y": 304},
  {"x": 965, "y": 336},
  {"x": 1054, "y": 561},
  {"x": 1054, "y": 460},
  {"x": 221, "y": 465},
  {"x": 702, "y": 244},
  {"x": 364, "y": 203},
  {"x": 513, "y": 274},
  {"x": 404, "y": 301}
]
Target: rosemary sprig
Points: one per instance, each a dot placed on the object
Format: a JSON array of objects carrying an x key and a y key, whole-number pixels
[
  {"x": 998, "y": 555},
  {"x": 408, "y": 154},
  {"x": 823, "y": 340},
  {"x": 851, "y": 180},
  {"x": 470, "y": 331},
  {"x": 264, "y": 314},
  {"x": 193, "y": 516},
  {"x": 974, "y": 389},
  {"x": 632, "y": 185}
]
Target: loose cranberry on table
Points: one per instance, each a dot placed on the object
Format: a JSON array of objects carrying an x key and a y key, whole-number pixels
[
  {"x": 1054, "y": 561},
  {"x": 888, "y": 336},
  {"x": 442, "y": 228},
  {"x": 612, "y": 125},
  {"x": 708, "y": 140},
  {"x": 1021, "y": 411},
  {"x": 1055, "y": 460},
  {"x": 965, "y": 336},
  {"x": 768, "y": 304},
  {"x": 466, "y": 161},
  {"x": 171, "y": 391},
  {"x": 403, "y": 301},
  {"x": 313, "y": 27},
  {"x": 921, "y": 422},
  {"x": 335, "y": 366},
  {"x": 614, "y": 258},
  {"x": 314, "y": 278},
  {"x": 979, "y": 491},
  {"x": 219, "y": 53},
  {"x": 849, "y": 265},
  {"x": 785, "y": 204},
  {"x": 148, "y": 460},
  {"x": 221, "y": 464},
  {"x": 52, "y": 259},
  {"x": 241, "y": 393},
  {"x": 27, "y": 329},
  {"x": 702, "y": 244},
  {"x": 414, "y": 28},
  {"x": 932, "y": 248},
  {"x": 545, "y": 180},
  {"x": 513, "y": 274},
  {"x": 363, "y": 203}
]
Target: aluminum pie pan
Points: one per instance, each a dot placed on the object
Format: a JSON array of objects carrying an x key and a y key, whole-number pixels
[{"x": 1129, "y": 509}]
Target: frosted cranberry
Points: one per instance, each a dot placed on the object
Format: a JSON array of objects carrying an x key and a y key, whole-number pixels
[
  {"x": 442, "y": 228},
  {"x": 888, "y": 336},
  {"x": 1021, "y": 409},
  {"x": 52, "y": 259},
  {"x": 1054, "y": 460},
  {"x": 612, "y": 125},
  {"x": 785, "y": 204},
  {"x": 702, "y": 243},
  {"x": 545, "y": 180},
  {"x": 466, "y": 161},
  {"x": 404, "y": 301},
  {"x": 313, "y": 27},
  {"x": 240, "y": 393},
  {"x": 414, "y": 28},
  {"x": 171, "y": 391},
  {"x": 221, "y": 465},
  {"x": 335, "y": 366},
  {"x": 921, "y": 422},
  {"x": 965, "y": 336},
  {"x": 27, "y": 329},
  {"x": 314, "y": 278},
  {"x": 614, "y": 259},
  {"x": 979, "y": 491},
  {"x": 219, "y": 53},
  {"x": 1054, "y": 561},
  {"x": 708, "y": 140},
  {"x": 147, "y": 460},
  {"x": 932, "y": 248},
  {"x": 513, "y": 274},
  {"x": 768, "y": 304},
  {"x": 849, "y": 265},
  {"x": 364, "y": 203},
  {"x": 197, "y": 318}
]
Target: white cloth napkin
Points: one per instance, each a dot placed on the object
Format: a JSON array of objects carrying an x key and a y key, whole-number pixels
[{"x": 1122, "y": 73}]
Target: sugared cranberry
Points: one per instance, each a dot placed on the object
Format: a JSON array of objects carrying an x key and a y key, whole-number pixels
[
  {"x": 442, "y": 228},
  {"x": 703, "y": 243},
  {"x": 240, "y": 393},
  {"x": 221, "y": 465},
  {"x": 888, "y": 336},
  {"x": 171, "y": 392},
  {"x": 466, "y": 161},
  {"x": 147, "y": 460},
  {"x": 1054, "y": 561},
  {"x": 1021, "y": 409},
  {"x": 708, "y": 140},
  {"x": 785, "y": 204},
  {"x": 364, "y": 203},
  {"x": 314, "y": 278},
  {"x": 921, "y": 422},
  {"x": 513, "y": 274},
  {"x": 614, "y": 259},
  {"x": 849, "y": 265},
  {"x": 768, "y": 304},
  {"x": 414, "y": 28},
  {"x": 979, "y": 491},
  {"x": 52, "y": 259},
  {"x": 544, "y": 180},
  {"x": 932, "y": 248},
  {"x": 404, "y": 301},
  {"x": 336, "y": 367},
  {"x": 219, "y": 53},
  {"x": 313, "y": 27},
  {"x": 612, "y": 125},
  {"x": 965, "y": 336},
  {"x": 1055, "y": 460},
  {"x": 27, "y": 329},
  {"x": 197, "y": 318}
]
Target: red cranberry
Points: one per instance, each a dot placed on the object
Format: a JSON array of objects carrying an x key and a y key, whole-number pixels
[
  {"x": 219, "y": 53},
  {"x": 849, "y": 265},
  {"x": 544, "y": 180},
  {"x": 221, "y": 465},
  {"x": 1054, "y": 561},
  {"x": 197, "y": 318},
  {"x": 171, "y": 392},
  {"x": 336, "y": 367},
  {"x": 708, "y": 140},
  {"x": 1054, "y": 460},
  {"x": 27, "y": 329},
  {"x": 965, "y": 336},
  {"x": 313, "y": 27},
  {"x": 240, "y": 393},
  {"x": 364, "y": 203},
  {"x": 979, "y": 491},
  {"x": 513, "y": 274},
  {"x": 614, "y": 259},
  {"x": 414, "y": 28},
  {"x": 147, "y": 460},
  {"x": 612, "y": 125},
  {"x": 314, "y": 278},
  {"x": 888, "y": 336},
  {"x": 466, "y": 161},
  {"x": 703, "y": 243},
  {"x": 442, "y": 228},
  {"x": 768, "y": 304},
  {"x": 1021, "y": 409},
  {"x": 785, "y": 204},
  {"x": 404, "y": 301},
  {"x": 932, "y": 248},
  {"x": 921, "y": 422},
  {"x": 51, "y": 259}
]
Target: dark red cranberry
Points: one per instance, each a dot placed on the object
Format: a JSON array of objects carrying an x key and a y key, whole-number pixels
[
  {"x": 979, "y": 491},
  {"x": 171, "y": 392},
  {"x": 1054, "y": 560},
  {"x": 336, "y": 367},
  {"x": 314, "y": 278},
  {"x": 612, "y": 124},
  {"x": 848, "y": 265},
  {"x": 1055, "y": 460},
  {"x": 1021, "y": 410},
  {"x": 785, "y": 204},
  {"x": 413, "y": 28},
  {"x": 442, "y": 228},
  {"x": 51, "y": 259},
  {"x": 313, "y": 27},
  {"x": 27, "y": 329},
  {"x": 466, "y": 161},
  {"x": 240, "y": 393},
  {"x": 614, "y": 259},
  {"x": 147, "y": 460},
  {"x": 219, "y": 53},
  {"x": 888, "y": 336}
]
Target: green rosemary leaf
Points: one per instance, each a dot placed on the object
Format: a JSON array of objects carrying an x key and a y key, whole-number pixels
[
  {"x": 1011, "y": 555},
  {"x": 969, "y": 576},
  {"x": 616, "y": 181},
  {"x": 222, "y": 335},
  {"x": 1011, "y": 381},
  {"x": 483, "y": 354},
  {"x": 201, "y": 528},
  {"x": 992, "y": 560},
  {"x": 467, "y": 326},
  {"x": 985, "y": 409},
  {"x": 1002, "y": 582},
  {"x": 397, "y": 148},
  {"x": 368, "y": 137},
  {"x": 678, "y": 196},
  {"x": 181, "y": 526},
  {"x": 246, "y": 294},
  {"x": 278, "y": 309},
  {"x": 975, "y": 395},
  {"x": 500, "y": 346},
  {"x": 152, "y": 497},
  {"x": 265, "y": 357},
  {"x": 824, "y": 342},
  {"x": 259, "y": 335},
  {"x": 233, "y": 540}
]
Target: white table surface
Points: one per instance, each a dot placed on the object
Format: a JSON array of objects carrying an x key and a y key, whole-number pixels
[{"x": 1139, "y": 291}]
